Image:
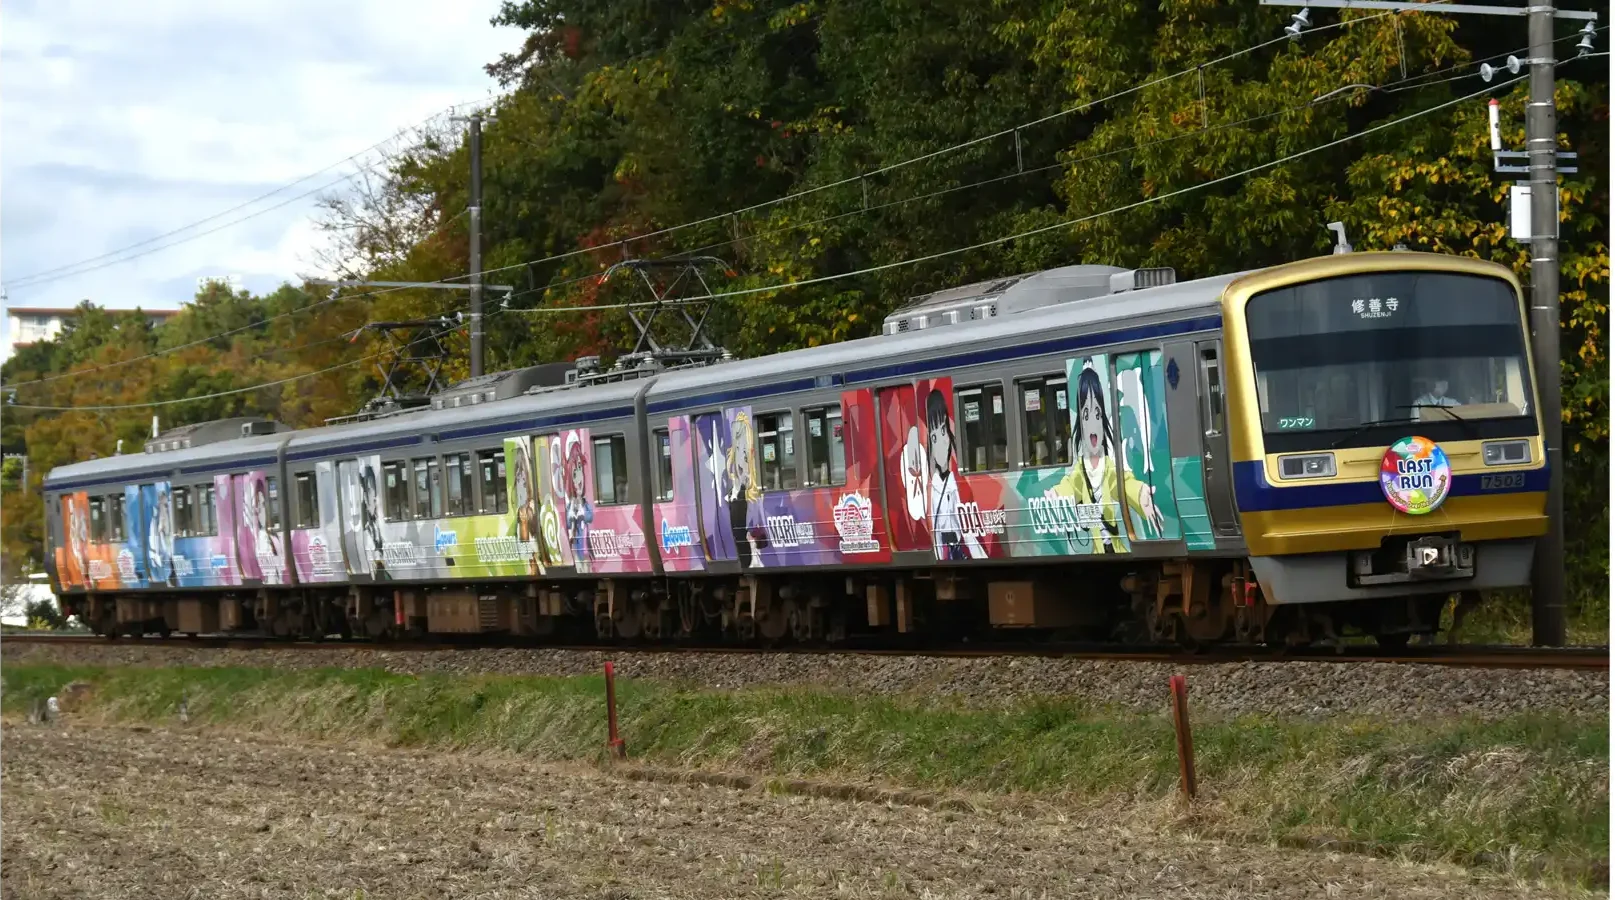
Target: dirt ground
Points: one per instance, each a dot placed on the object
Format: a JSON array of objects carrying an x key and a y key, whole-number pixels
[{"x": 117, "y": 813}]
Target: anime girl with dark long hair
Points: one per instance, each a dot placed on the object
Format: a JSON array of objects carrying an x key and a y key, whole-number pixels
[
  {"x": 952, "y": 542},
  {"x": 370, "y": 516},
  {"x": 1092, "y": 480},
  {"x": 265, "y": 544}
]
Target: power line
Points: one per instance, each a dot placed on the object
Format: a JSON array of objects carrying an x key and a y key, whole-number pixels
[
  {"x": 217, "y": 394},
  {"x": 921, "y": 158},
  {"x": 84, "y": 266},
  {"x": 1080, "y": 219},
  {"x": 333, "y": 298}
]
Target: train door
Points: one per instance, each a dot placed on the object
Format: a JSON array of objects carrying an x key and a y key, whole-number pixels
[
  {"x": 1214, "y": 426},
  {"x": 906, "y": 479}
]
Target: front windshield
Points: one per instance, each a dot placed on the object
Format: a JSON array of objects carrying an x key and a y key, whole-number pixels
[{"x": 1377, "y": 352}]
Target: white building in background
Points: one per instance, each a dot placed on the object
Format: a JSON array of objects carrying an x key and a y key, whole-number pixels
[{"x": 30, "y": 324}]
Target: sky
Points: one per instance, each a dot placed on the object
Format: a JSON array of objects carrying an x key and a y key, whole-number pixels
[{"x": 122, "y": 121}]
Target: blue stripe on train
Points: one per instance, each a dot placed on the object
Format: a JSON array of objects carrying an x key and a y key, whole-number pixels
[{"x": 1254, "y": 493}]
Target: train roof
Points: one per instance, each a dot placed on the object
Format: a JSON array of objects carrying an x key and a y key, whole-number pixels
[{"x": 1143, "y": 306}]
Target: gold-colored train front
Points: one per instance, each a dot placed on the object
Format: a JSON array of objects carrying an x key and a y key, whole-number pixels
[{"x": 1332, "y": 362}]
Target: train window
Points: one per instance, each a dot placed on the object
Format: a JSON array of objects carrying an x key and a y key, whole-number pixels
[
  {"x": 825, "y": 448},
  {"x": 491, "y": 493},
  {"x": 395, "y": 491},
  {"x": 1208, "y": 364},
  {"x": 116, "y": 524},
  {"x": 428, "y": 489},
  {"x": 776, "y": 443},
  {"x": 1048, "y": 424},
  {"x": 272, "y": 488},
  {"x": 457, "y": 483},
  {"x": 207, "y": 512},
  {"x": 98, "y": 519},
  {"x": 664, "y": 465},
  {"x": 610, "y": 470},
  {"x": 305, "y": 501},
  {"x": 183, "y": 524},
  {"x": 983, "y": 439}
]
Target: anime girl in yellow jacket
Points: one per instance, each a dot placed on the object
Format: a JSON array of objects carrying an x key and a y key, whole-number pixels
[{"x": 1092, "y": 480}]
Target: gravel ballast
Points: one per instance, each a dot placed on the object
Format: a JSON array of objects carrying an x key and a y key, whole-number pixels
[{"x": 1308, "y": 689}]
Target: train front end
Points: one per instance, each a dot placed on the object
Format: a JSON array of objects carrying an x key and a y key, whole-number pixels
[{"x": 1386, "y": 444}]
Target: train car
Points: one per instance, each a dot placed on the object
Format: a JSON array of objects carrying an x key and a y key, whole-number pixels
[{"x": 1292, "y": 454}]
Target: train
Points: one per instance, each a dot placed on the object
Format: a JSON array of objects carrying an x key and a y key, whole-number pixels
[{"x": 1290, "y": 455}]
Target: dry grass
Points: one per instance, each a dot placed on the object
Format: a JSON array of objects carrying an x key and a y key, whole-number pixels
[
  {"x": 1527, "y": 796},
  {"x": 99, "y": 813}
]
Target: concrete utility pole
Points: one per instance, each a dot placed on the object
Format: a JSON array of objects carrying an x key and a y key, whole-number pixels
[
  {"x": 476, "y": 244},
  {"x": 1542, "y": 152},
  {"x": 1542, "y": 145}
]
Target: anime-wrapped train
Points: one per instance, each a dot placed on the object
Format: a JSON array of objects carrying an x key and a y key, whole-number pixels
[{"x": 1290, "y": 454}]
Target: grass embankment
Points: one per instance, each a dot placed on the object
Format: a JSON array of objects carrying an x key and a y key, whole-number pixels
[{"x": 1528, "y": 794}]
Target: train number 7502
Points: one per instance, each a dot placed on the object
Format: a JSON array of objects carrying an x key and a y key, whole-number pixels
[{"x": 1503, "y": 481}]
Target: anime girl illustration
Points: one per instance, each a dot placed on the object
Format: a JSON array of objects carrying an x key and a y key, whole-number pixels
[
  {"x": 579, "y": 511},
  {"x": 370, "y": 515},
  {"x": 78, "y": 537},
  {"x": 745, "y": 497},
  {"x": 255, "y": 513},
  {"x": 160, "y": 535},
  {"x": 951, "y": 541},
  {"x": 1092, "y": 480},
  {"x": 525, "y": 501}
]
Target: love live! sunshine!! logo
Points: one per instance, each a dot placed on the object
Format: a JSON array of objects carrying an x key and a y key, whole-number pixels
[{"x": 855, "y": 523}]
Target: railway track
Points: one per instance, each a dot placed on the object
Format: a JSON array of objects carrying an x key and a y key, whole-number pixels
[{"x": 1473, "y": 656}]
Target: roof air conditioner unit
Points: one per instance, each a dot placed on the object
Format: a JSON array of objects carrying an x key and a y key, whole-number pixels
[{"x": 919, "y": 322}]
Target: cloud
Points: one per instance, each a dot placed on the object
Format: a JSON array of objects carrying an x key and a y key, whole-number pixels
[{"x": 125, "y": 121}]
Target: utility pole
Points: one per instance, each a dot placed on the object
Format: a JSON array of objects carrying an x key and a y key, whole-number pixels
[
  {"x": 1542, "y": 146},
  {"x": 1542, "y": 153},
  {"x": 476, "y": 244}
]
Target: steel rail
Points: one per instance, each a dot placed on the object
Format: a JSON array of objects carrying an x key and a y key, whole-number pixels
[{"x": 1473, "y": 656}]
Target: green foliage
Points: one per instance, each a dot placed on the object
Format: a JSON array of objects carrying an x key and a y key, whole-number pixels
[
  {"x": 630, "y": 119},
  {"x": 45, "y": 615}
]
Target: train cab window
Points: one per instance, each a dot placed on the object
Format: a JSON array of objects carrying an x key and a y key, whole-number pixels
[
  {"x": 1048, "y": 423},
  {"x": 98, "y": 519},
  {"x": 428, "y": 489},
  {"x": 207, "y": 512},
  {"x": 184, "y": 517},
  {"x": 117, "y": 527},
  {"x": 395, "y": 491},
  {"x": 491, "y": 497},
  {"x": 459, "y": 490},
  {"x": 824, "y": 450},
  {"x": 983, "y": 439},
  {"x": 776, "y": 445},
  {"x": 305, "y": 501},
  {"x": 610, "y": 470},
  {"x": 664, "y": 464}
]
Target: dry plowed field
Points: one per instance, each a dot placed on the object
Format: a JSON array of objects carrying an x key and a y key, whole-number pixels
[{"x": 97, "y": 812}]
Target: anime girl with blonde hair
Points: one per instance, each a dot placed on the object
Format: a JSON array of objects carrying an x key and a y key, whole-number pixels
[{"x": 745, "y": 492}]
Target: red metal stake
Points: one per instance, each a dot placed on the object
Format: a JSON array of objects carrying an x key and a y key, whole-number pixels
[
  {"x": 613, "y": 743},
  {"x": 1180, "y": 721}
]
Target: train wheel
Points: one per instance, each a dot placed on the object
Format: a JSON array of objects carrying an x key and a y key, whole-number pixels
[{"x": 1395, "y": 641}]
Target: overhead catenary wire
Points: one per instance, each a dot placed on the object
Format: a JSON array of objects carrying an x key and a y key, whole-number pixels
[
  {"x": 334, "y": 298},
  {"x": 104, "y": 260},
  {"x": 111, "y": 407},
  {"x": 775, "y": 288}
]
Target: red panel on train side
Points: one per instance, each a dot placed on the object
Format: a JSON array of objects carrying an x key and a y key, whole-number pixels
[
  {"x": 856, "y": 513},
  {"x": 905, "y": 468}
]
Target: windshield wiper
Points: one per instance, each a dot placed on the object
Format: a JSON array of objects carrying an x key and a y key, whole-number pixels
[
  {"x": 1374, "y": 423},
  {"x": 1468, "y": 424}
]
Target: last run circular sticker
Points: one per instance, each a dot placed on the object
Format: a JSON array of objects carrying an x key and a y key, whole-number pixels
[{"x": 1415, "y": 475}]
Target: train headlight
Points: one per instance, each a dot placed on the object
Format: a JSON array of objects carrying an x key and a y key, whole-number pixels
[
  {"x": 1506, "y": 453},
  {"x": 1307, "y": 465}
]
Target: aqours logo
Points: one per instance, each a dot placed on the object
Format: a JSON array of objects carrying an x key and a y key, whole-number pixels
[
  {"x": 675, "y": 537},
  {"x": 855, "y": 522}
]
